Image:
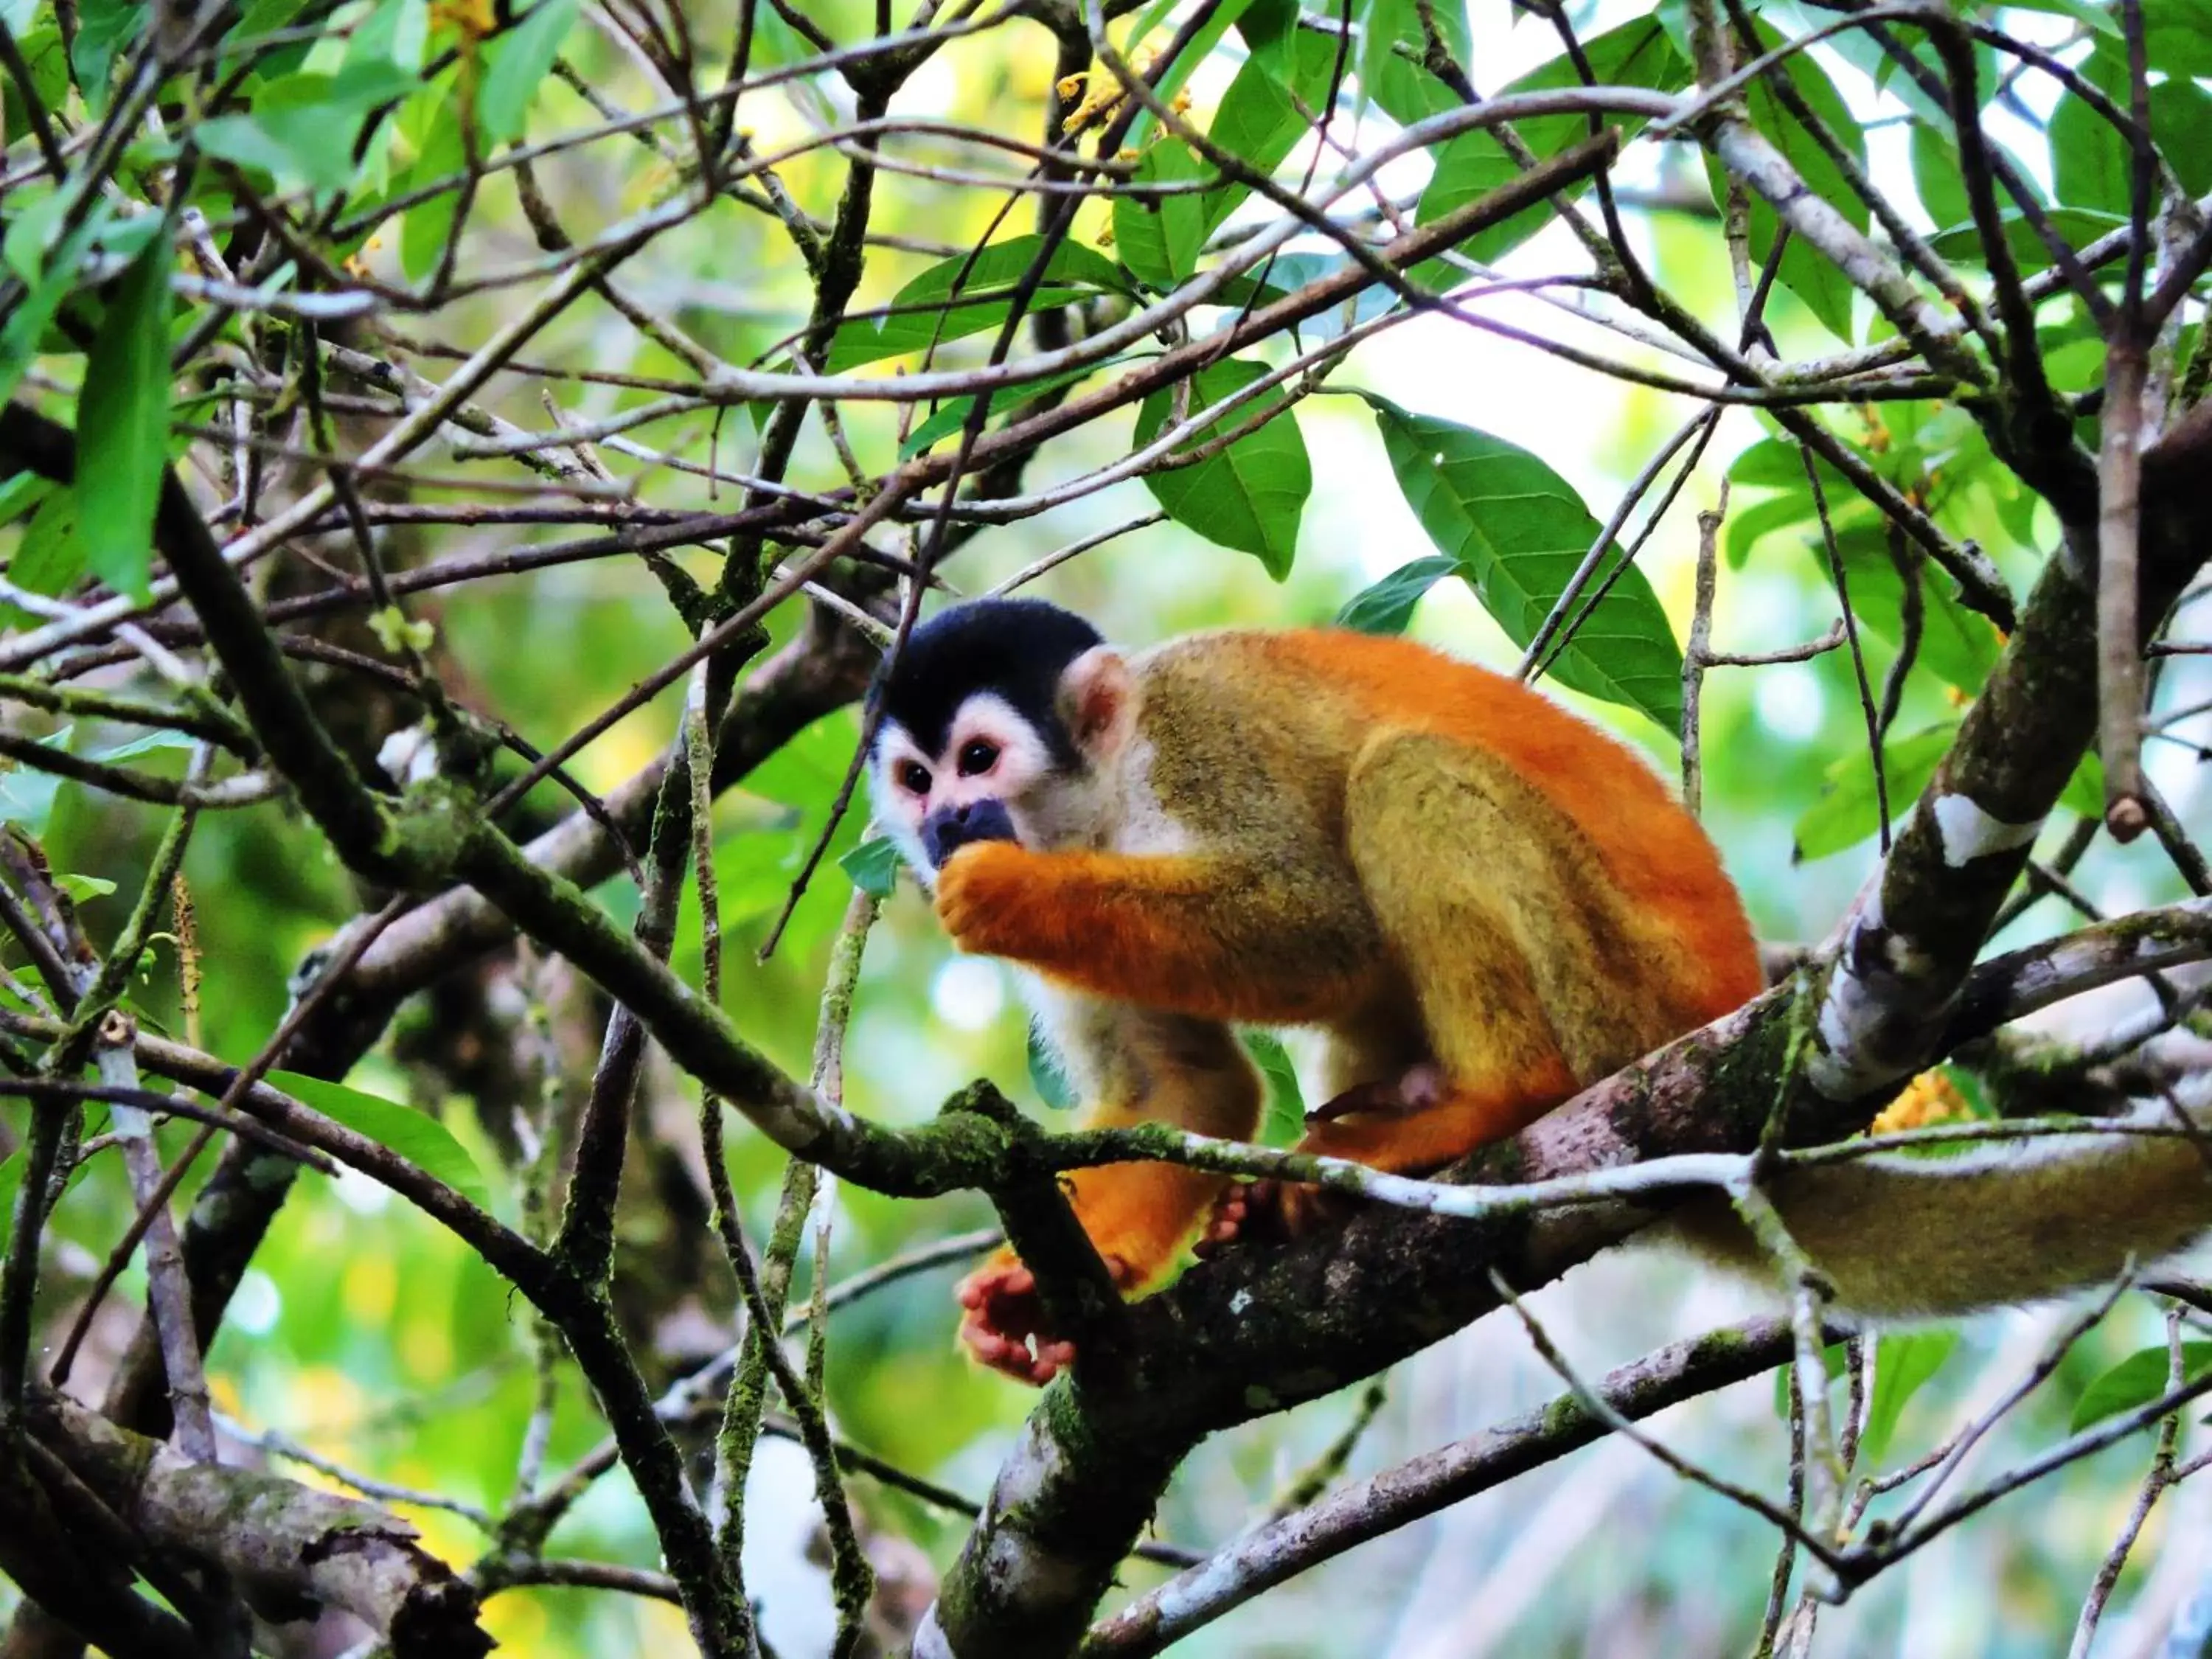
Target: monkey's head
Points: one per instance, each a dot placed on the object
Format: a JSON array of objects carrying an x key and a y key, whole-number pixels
[{"x": 1003, "y": 720}]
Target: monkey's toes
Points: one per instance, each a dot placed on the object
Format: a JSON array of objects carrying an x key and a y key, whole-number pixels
[
  {"x": 1006, "y": 1327},
  {"x": 1247, "y": 1212}
]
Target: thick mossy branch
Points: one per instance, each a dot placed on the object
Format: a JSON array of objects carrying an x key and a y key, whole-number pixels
[{"x": 293, "y": 1549}]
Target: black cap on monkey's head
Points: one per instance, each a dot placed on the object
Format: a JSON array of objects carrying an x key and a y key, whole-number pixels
[{"x": 1017, "y": 649}]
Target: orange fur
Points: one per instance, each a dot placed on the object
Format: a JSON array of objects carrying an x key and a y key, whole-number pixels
[
  {"x": 1659, "y": 855},
  {"x": 1117, "y": 926}
]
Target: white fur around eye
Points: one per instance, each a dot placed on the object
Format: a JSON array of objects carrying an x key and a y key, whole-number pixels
[
  {"x": 1023, "y": 760},
  {"x": 898, "y": 812}
]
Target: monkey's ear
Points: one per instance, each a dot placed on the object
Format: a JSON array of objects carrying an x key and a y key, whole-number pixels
[{"x": 1098, "y": 702}]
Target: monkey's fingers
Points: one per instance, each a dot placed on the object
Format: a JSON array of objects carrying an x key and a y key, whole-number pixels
[
  {"x": 994, "y": 1282},
  {"x": 1006, "y": 1354}
]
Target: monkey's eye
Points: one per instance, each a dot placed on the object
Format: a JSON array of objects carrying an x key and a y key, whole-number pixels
[
  {"x": 977, "y": 755},
  {"x": 914, "y": 777}
]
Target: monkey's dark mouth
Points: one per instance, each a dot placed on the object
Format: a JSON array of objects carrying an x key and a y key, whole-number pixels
[{"x": 951, "y": 828}]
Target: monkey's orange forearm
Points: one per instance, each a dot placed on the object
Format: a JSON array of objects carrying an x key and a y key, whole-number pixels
[{"x": 1188, "y": 933}]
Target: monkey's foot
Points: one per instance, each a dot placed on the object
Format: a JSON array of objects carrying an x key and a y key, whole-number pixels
[
  {"x": 1268, "y": 1212},
  {"x": 1363, "y": 1125},
  {"x": 1005, "y": 1326}
]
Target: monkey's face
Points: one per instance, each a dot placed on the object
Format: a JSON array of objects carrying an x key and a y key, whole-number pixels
[
  {"x": 1002, "y": 720},
  {"x": 986, "y": 783}
]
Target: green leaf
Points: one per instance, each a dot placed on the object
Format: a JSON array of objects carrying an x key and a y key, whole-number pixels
[
  {"x": 1937, "y": 175},
  {"x": 1959, "y": 645},
  {"x": 1168, "y": 79},
  {"x": 291, "y": 146},
  {"x": 304, "y": 128},
  {"x": 1258, "y": 121},
  {"x": 516, "y": 65},
  {"x": 1285, "y": 1122},
  {"x": 1051, "y": 1083},
  {"x": 441, "y": 155},
  {"x": 2136, "y": 1381},
  {"x": 50, "y": 559},
  {"x": 151, "y": 743},
  {"x": 1518, "y": 531},
  {"x": 1286, "y": 273},
  {"x": 1637, "y": 54},
  {"x": 1387, "y": 606},
  {"x": 1158, "y": 237},
  {"x": 873, "y": 866},
  {"x": 2084, "y": 790},
  {"x": 123, "y": 426},
  {"x": 11, "y": 1186},
  {"x": 396, "y": 32},
  {"x": 1903, "y": 1363},
  {"x": 104, "y": 28},
  {"x": 1752, "y": 524},
  {"x": 46, "y": 58},
  {"x": 806, "y": 772},
  {"x": 416, "y": 1136},
  {"x": 1392, "y": 45},
  {"x": 30, "y": 228},
  {"x": 1847, "y": 810},
  {"x": 266, "y": 17},
  {"x": 24, "y": 332},
  {"x": 20, "y": 493},
  {"x": 1778, "y": 463},
  {"x": 27, "y": 794},
  {"x": 82, "y": 889},
  {"x": 961, "y": 297},
  {"x": 1250, "y": 494},
  {"x": 1269, "y": 27},
  {"x": 953, "y": 416},
  {"x": 2091, "y": 164},
  {"x": 1961, "y": 245},
  {"x": 2178, "y": 35}
]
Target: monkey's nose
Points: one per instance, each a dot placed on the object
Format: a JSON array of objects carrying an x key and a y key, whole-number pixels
[{"x": 949, "y": 828}]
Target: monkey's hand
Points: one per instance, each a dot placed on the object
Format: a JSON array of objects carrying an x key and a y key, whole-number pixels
[
  {"x": 981, "y": 893},
  {"x": 1005, "y": 1326}
]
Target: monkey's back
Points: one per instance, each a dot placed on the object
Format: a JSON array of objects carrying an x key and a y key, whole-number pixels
[{"x": 1302, "y": 705}]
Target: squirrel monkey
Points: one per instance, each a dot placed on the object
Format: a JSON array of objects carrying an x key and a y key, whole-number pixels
[{"x": 1483, "y": 900}]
